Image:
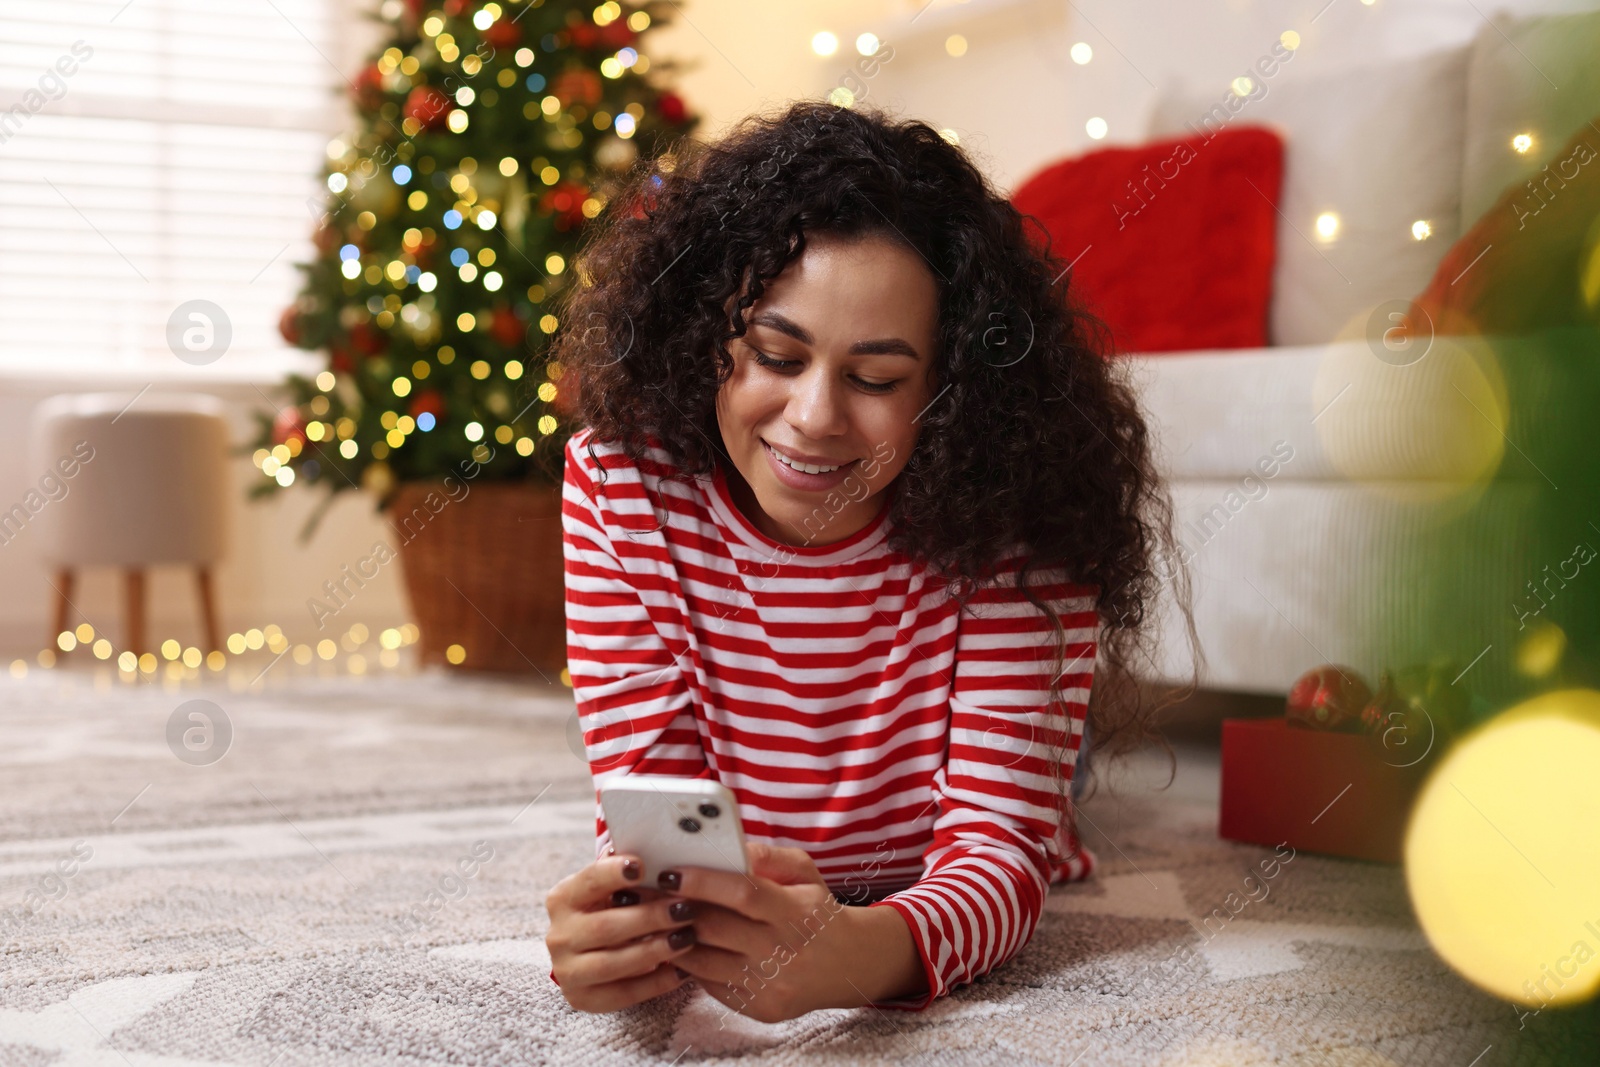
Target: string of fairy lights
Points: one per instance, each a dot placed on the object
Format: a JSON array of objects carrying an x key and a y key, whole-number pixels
[{"x": 357, "y": 652}]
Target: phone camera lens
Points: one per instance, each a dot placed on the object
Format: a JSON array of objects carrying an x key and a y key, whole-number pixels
[
  {"x": 689, "y": 826},
  {"x": 710, "y": 811}
]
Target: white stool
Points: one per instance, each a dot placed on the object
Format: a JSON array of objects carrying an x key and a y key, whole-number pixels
[{"x": 146, "y": 483}]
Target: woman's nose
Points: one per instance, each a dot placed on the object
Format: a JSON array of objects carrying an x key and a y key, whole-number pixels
[{"x": 815, "y": 409}]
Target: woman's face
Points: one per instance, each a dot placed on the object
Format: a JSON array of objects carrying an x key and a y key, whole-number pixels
[{"x": 834, "y": 372}]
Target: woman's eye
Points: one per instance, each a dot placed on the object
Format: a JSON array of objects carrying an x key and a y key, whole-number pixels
[{"x": 764, "y": 360}]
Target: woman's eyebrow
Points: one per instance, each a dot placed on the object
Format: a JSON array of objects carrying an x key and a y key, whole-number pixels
[{"x": 880, "y": 346}]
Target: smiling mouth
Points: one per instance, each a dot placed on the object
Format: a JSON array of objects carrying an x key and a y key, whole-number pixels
[{"x": 805, "y": 468}]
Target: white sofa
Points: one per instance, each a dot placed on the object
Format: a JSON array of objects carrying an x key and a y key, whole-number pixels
[{"x": 1332, "y": 557}]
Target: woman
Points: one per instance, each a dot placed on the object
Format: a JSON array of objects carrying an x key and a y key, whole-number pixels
[{"x": 857, "y": 506}]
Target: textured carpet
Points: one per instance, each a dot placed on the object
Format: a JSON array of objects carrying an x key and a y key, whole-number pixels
[{"x": 252, "y": 908}]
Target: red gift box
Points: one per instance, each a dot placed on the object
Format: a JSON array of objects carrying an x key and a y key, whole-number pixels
[{"x": 1335, "y": 793}]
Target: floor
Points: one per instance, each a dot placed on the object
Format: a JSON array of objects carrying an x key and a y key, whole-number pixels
[{"x": 277, "y": 883}]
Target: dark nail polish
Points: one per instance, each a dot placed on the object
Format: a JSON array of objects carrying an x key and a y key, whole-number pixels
[
  {"x": 670, "y": 880},
  {"x": 631, "y": 870},
  {"x": 681, "y": 911},
  {"x": 681, "y": 938},
  {"x": 624, "y": 897},
  {"x": 681, "y": 972}
]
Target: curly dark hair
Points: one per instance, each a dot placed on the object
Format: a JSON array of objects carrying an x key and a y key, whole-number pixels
[{"x": 1036, "y": 431}]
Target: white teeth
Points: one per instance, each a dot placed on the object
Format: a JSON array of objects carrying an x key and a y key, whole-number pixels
[{"x": 797, "y": 465}]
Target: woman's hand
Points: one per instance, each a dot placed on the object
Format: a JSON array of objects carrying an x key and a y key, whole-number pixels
[
  {"x": 776, "y": 944},
  {"x": 609, "y": 936}
]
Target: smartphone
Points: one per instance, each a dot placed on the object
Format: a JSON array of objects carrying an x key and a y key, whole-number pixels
[{"x": 671, "y": 822}]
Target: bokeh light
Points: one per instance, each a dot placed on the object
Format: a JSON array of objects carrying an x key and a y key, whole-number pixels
[{"x": 1502, "y": 855}]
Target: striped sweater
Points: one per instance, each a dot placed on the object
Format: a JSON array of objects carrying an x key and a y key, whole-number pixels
[{"x": 836, "y": 689}]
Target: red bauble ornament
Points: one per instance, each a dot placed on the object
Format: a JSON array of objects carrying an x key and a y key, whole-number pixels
[
  {"x": 427, "y": 400},
  {"x": 503, "y": 34},
  {"x": 585, "y": 35},
  {"x": 563, "y": 402},
  {"x": 428, "y": 106},
  {"x": 565, "y": 201},
  {"x": 425, "y": 252},
  {"x": 577, "y": 87},
  {"x": 636, "y": 206},
  {"x": 288, "y": 424},
  {"x": 368, "y": 339},
  {"x": 1330, "y": 697},
  {"x": 368, "y": 89},
  {"x": 340, "y": 359},
  {"x": 1417, "y": 703},
  {"x": 670, "y": 107},
  {"x": 326, "y": 238},
  {"x": 506, "y": 326},
  {"x": 289, "y": 325},
  {"x": 616, "y": 34}
]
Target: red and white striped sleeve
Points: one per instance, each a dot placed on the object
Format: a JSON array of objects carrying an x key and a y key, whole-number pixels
[
  {"x": 634, "y": 703},
  {"x": 998, "y": 831}
]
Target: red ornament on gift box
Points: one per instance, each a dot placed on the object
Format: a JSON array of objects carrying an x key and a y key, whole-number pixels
[
  {"x": 1416, "y": 709},
  {"x": 428, "y": 106},
  {"x": 1329, "y": 697}
]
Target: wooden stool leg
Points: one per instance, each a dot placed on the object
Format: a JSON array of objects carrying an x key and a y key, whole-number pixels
[
  {"x": 208, "y": 608},
  {"x": 135, "y": 609},
  {"x": 64, "y": 581}
]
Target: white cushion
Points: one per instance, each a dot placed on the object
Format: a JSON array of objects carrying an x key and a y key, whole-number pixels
[
  {"x": 1317, "y": 573},
  {"x": 1539, "y": 76},
  {"x": 1379, "y": 146},
  {"x": 1332, "y": 412}
]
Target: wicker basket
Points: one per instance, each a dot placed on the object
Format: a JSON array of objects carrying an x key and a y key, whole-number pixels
[{"x": 484, "y": 571}]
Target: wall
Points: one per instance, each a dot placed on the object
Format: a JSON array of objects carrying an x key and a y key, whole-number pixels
[{"x": 1015, "y": 98}]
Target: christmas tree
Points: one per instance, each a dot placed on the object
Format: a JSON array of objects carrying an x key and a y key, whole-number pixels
[{"x": 489, "y": 135}]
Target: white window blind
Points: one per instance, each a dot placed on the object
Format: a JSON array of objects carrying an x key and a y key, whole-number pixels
[{"x": 152, "y": 153}]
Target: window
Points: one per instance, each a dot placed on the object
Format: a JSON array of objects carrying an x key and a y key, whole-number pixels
[{"x": 153, "y": 153}]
